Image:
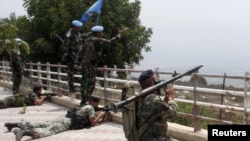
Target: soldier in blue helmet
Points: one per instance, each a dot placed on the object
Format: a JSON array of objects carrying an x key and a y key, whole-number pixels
[
  {"x": 72, "y": 45},
  {"x": 93, "y": 46},
  {"x": 17, "y": 65}
]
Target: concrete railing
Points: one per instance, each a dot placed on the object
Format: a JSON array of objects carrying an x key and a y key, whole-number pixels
[
  {"x": 53, "y": 76},
  {"x": 177, "y": 131}
]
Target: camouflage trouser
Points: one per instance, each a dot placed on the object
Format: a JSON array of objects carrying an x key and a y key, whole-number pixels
[
  {"x": 70, "y": 76},
  {"x": 48, "y": 128},
  {"x": 12, "y": 101},
  {"x": 17, "y": 79},
  {"x": 88, "y": 81},
  {"x": 156, "y": 132},
  {"x": 3, "y": 104}
]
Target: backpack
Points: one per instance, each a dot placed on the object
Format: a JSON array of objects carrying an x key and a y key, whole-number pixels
[
  {"x": 129, "y": 115},
  {"x": 77, "y": 122},
  {"x": 130, "y": 127}
]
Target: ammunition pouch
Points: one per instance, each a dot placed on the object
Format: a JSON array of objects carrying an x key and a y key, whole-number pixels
[
  {"x": 77, "y": 122},
  {"x": 80, "y": 122}
]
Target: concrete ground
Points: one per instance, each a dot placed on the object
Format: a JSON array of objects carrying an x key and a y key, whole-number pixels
[
  {"x": 105, "y": 132},
  {"x": 108, "y": 131}
]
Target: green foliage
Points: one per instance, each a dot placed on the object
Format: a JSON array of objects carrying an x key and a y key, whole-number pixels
[
  {"x": 187, "y": 108},
  {"x": 202, "y": 80},
  {"x": 49, "y": 19},
  {"x": 8, "y": 32}
]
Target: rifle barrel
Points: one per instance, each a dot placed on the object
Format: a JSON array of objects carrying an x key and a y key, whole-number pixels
[
  {"x": 116, "y": 106},
  {"x": 48, "y": 94}
]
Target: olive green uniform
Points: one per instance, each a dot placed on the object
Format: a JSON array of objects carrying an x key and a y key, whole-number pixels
[{"x": 19, "y": 100}]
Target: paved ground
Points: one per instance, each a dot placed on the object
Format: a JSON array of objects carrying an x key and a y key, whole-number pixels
[{"x": 104, "y": 132}]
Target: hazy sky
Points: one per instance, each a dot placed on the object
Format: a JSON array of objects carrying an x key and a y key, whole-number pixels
[{"x": 188, "y": 33}]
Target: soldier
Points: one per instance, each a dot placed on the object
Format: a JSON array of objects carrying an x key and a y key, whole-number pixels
[
  {"x": 86, "y": 117},
  {"x": 154, "y": 110},
  {"x": 72, "y": 46},
  {"x": 17, "y": 65},
  {"x": 92, "y": 53},
  {"x": 19, "y": 100}
]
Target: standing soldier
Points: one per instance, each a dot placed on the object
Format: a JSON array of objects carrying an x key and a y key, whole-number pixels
[
  {"x": 17, "y": 65},
  {"x": 72, "y": 46},
  {"x": 92, "y": 52},
  {"x": 154, "y": 110}
]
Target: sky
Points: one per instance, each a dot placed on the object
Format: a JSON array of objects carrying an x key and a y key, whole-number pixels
[{"x": 188, "y": 33}]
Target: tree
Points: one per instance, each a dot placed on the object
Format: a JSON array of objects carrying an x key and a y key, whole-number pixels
[
  {"x": 49, "y": 19},
  {"x": 8, "y": 34},
  {"x": 201, "y": 79}
]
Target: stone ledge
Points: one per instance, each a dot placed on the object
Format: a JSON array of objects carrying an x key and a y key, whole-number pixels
[
  {"x": 185, "y": 133},
  {"x": 177, "y": 131}
]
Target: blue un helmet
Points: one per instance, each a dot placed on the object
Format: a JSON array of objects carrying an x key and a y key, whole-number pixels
[
  {"x": 77, "y": 23},
  {"x": 18, "y": 41},
  {"x": 97, "y": 28}
]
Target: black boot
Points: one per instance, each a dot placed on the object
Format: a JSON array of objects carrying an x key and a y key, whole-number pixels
[
  {"x": 9, "y": 126},
  {"x": 20, "y": 133}
]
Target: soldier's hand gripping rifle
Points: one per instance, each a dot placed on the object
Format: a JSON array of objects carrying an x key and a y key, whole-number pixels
[
  {"x": 116, "y": 106},
  {"x": 104, "y": 108},
  {"x": 50, "y": 94}
]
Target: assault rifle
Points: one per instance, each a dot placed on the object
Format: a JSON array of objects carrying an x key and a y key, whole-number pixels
[
  {"x": 116, "y": 106},
  {"x": 48, "y": 94},
  {"x": 105, "y": 108},
  {"x": 26, "y": 71}
]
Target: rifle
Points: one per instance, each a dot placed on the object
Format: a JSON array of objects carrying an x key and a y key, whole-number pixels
[
  {"x": 26, "y": 71},
  {"x": 105, "y": 108},
  {"x": 145, "y": 92},
  {"x": 48, "y": 94}
]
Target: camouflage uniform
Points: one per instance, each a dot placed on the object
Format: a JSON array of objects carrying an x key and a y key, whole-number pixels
[
  {"x": 48, "y": 128},
  {"x": 58, "y": 125},
  {"x": 153, "y": 105},
  {"x": 16, "y": 67},
  {"x": 92, "y": 55},
  {"x": 72, "y": 47},
  {"x": 18, "y": 100}
]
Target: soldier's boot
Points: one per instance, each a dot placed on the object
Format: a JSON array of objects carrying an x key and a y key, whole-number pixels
[
  {"x": 20, "y": 133},
  {"x": 10, "y": 126}
]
